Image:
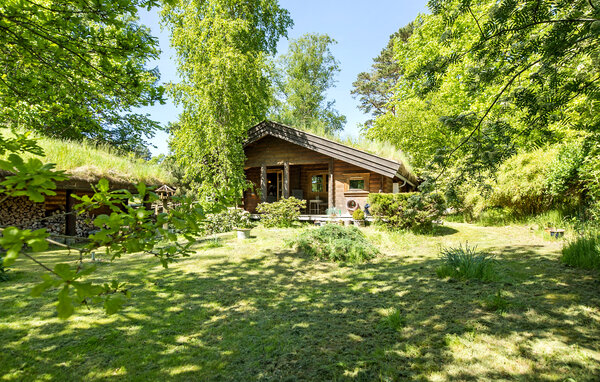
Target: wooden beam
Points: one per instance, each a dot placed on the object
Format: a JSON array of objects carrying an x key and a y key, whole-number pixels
[
  {"x": 330, "y": 188},
  {"x": 286, "y": 180},
  {"x": 263, "y": 182},
  {"x": 70, "y": 218}
]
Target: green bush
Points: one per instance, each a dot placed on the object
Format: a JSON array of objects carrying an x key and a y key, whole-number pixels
[
  {"x": 227, "y": 220},
  {"x": 358, "y": 215},
  {"x": 3, "y": 270},
  {"x": 521, "y": 183},
  {"x": 336, "y": 243},
  {"x": 590, "y": 176},
  {"x": 466, "y": 263},
  {"x": 282, "y": 213},
  {"x": 412, "y": 210},
  {"x": 583, "y": 251}
]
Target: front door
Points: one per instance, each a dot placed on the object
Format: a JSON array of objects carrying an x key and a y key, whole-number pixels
[{"x": 274, "y": 185}]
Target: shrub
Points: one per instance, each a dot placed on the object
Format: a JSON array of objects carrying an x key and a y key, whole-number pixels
[
  {"x": 583, "y": 251},
  {"x": 466, "y": 263},
  {"x": 590, "y": 175},
  {"x": 521, "y": 183},
  {"x": 227, "y": 220},
  {"x": 413, "y": 210},
  {"x": 282, "y": 213},
  {"x": 358, "y": 215},
  {"x": 3, "y": 270},
  {"x": 336, "y": 243}
]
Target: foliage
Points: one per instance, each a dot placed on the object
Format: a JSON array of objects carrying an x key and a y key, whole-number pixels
[
  {"x": 282, "y": 213},
  {"x": 75, "y": 69},
  {"x": 227, "y": 220},
  {"x": 3, "y": 270},
  {"x": 590, "y": 177},
  {"x": 221, "y": 48},
  {"x": 375, "y": 87},
  {"x": 127, "y": 229},
  {"x": 563, "y": 179},
  {"x": 583, "y": 251},
  {"x": 336, "y": 243},
  {"x": 416, "y": 210},
  {"x": 521, "y": 183},
  {"x": 482, "y": 80},
  {"x": 466, "y": 263},
  {"x": 302, "y": 78},
  {"x": 91, "y": 161},
  {"x": 358, "y": 215}
]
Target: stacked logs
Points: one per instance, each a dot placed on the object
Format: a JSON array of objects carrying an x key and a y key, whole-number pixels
[
  {"x": 25, "y": 214},
  {"x": 21, "y": 212}
]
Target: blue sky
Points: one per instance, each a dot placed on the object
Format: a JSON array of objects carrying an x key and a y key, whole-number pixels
[{"x": 361, "y": 28}]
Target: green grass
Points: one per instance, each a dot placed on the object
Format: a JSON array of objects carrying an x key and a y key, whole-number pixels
[
  {"x": 383, "y": 149},
  {"x": 583, "y": 251},
  {"x": 90, "y": 162},
  {"x": 466, "y": 263},
  {"x": 256, "y": 310}
]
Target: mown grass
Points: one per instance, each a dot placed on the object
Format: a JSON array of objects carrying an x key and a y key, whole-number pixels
[
  {"x": 89, "y": 161},
  {"x": 256, "y": 310}
]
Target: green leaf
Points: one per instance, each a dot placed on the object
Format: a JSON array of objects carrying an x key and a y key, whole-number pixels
[
  {"x": 64, "y": 271},
  {"x": 65, "y": 304},
  {"x": 114, "y": 303}
]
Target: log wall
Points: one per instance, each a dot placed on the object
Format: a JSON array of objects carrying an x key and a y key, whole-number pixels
[{"x": 304, "y": 163}]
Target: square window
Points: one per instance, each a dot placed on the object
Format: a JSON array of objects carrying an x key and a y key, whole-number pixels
[
  {"x": 357, "y": 184},
  {"x": 317, "y": 183}
]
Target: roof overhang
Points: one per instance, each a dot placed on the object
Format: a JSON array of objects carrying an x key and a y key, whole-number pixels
[{"x": 383, "y": 166}]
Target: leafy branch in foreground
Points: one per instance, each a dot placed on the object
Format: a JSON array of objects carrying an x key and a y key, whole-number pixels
[{"x": 127, "y": 229}]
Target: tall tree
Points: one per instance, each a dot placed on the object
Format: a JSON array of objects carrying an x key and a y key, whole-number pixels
[
  {"x": 76, "y": 69},
  {"x": 303, "y": 76},
  {"x": 222, "y": 48},
  {"x": 540, "y": 57},
  {"x": 374, "y": 88}
]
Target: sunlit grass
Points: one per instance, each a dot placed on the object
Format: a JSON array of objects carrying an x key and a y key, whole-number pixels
[
  {"x": 90, "y": 161},
  {"x": 257, "y": 310}
]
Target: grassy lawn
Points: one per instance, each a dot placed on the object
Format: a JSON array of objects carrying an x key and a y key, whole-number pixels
[{"x": 256, "y": 310}]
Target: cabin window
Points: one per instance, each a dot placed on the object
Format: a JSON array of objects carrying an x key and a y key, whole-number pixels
[
  {"x": 357, "y": 184},
  {"x": 318, "y": 183}
]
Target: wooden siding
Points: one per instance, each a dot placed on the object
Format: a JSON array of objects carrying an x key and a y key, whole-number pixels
[
  {"x": 303, "y": 164},
  {"x": 275, "y": 152}
]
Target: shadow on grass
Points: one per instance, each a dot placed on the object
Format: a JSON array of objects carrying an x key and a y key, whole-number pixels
[{"x": 282, "y": 316}]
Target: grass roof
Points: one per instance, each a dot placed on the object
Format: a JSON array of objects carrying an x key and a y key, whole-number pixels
[
  {"x": 380, "y": 148},
  {"x": 90, "y": 162}
]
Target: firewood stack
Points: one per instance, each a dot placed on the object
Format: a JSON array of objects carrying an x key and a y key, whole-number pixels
[{"x": 20, "y": 212}]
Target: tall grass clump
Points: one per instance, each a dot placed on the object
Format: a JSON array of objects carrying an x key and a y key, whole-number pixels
[
  {"x": 466, "y": 263},
  {"x": 583, "y": 251},
  {"x": 336, "y": 243}
]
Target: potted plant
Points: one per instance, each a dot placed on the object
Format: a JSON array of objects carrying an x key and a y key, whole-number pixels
[
  {"x": 243, "y": 224},
  {"x": 359, "y": 218}
]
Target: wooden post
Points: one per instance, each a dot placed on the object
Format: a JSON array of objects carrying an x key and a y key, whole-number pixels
[
  {"x": 71, "y": 219},
  {"x": 330, "y": 188},
  {"x": 263, "y": 182},
  {"x": 286, "y": 180}
]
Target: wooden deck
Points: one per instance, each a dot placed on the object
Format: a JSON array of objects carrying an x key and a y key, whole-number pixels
[{"x": 319, "y": 218}]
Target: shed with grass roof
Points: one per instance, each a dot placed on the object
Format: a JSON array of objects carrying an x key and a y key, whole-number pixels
[
  {"x": 85, "y": 164},
  {"x": 282, "y": 161}
]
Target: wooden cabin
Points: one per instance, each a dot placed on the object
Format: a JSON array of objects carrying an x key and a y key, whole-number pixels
[{"x": 282, "y": 161}]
